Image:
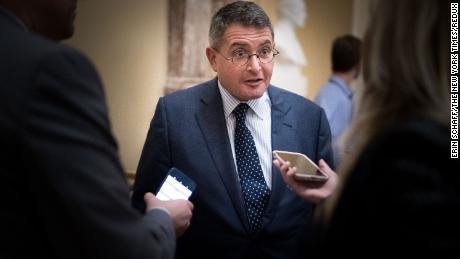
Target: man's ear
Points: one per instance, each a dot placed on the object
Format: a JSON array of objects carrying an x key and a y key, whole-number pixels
[{"x": 211, "y": 55}]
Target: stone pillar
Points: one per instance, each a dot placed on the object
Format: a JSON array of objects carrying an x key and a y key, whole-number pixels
[{"x": 188, "y": 22}]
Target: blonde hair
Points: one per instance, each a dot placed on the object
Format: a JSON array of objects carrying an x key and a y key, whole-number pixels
[{"x": 405, "y": 74}]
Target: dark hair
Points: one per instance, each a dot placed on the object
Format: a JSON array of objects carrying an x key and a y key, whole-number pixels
[
  {"x": 346, "y": 53},
  {"x": 239, "y": 12}
]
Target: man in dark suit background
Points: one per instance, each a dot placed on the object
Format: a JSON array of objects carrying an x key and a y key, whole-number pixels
[
  {"x": 63, "y": 193},
  {"x": 243, "y": 209}
]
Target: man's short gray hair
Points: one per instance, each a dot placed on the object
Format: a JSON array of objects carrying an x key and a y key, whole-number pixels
[{"x": 244, "y": 13}]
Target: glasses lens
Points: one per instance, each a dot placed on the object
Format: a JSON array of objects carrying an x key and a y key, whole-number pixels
[
  {"x": 240, "y": 59},
  {"x": 266, "y": 59},
  {"x": 264, "y": 56}
]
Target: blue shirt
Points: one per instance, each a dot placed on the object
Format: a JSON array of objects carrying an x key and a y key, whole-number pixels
[{"x": 336, "y": 98}]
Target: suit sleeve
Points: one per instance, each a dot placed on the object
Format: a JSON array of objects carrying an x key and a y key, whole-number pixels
[
  {"x": 324, "y": 141},
  {"x": 155, "y": 159},
  {"x": 78, "y": 184}
]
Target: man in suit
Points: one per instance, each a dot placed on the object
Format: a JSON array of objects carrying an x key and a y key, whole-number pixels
[
  {"x": 63, "y": 193},
  {"x": 243, "y": 209}
]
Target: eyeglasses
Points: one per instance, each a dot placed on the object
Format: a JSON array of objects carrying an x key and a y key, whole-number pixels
[{"x": 241, "y": 58}]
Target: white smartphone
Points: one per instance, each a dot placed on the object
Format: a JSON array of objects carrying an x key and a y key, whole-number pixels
[
  {"x": 176, "y": 186},
  {"x": 307, "y": 170}
]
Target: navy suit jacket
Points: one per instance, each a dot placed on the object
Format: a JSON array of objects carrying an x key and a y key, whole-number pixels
[{"x": 188, "y": 131}]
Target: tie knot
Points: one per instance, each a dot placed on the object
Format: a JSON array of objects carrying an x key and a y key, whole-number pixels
[{"x": 240, "y": 111}]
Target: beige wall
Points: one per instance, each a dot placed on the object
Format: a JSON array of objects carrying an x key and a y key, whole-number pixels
[
  {"x": 127, "y": 41},
  {"x": 326, "y": 20}
]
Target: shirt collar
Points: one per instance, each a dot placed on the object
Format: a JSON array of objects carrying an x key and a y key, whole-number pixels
[
  {"x": 230, "y": 102},
  {"x": 342, "y": 85}
]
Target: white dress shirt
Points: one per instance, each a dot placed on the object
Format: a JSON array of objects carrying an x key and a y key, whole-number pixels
[{"x": 258, "y": 121}]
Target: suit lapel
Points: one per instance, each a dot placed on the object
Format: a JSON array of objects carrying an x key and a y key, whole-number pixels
[
  {"x": 214, "y": 128},
  {"x": 282, "y": 132}
]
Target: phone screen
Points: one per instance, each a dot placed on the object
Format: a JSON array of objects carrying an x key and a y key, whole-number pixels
[{"x": 176, "y": 186}]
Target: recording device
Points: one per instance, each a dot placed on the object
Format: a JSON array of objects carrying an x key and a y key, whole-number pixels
[{"x": 307, "y": 170}]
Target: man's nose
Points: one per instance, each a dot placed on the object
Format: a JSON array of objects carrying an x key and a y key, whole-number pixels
[{"x": 253, "y": 63}]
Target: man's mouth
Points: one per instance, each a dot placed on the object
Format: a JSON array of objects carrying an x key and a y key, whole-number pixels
[{"x": 253, "y": 81}]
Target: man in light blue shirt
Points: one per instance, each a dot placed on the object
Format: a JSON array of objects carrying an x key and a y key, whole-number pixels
[{"x": 336, "y": 96}]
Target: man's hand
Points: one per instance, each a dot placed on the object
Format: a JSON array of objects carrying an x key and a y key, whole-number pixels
[
  {"x": 311, "y": 191},
  {"x": 180, "y": 211}
]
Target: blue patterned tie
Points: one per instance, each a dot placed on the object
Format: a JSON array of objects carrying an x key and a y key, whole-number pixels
[{"x": 255, "y": 190}]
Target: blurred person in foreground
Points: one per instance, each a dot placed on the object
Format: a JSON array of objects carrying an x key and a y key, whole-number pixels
[
  {"x": 399, "y": 191},
  {"x": 63, "y": 192}
]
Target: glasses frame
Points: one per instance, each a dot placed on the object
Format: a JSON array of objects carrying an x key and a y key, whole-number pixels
[{"x": 275, "y": 53}]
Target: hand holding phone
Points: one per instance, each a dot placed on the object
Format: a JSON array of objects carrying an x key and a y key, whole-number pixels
[
  {"x": 307, "y": 170},
  {"x": 176, "y": 186}
]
